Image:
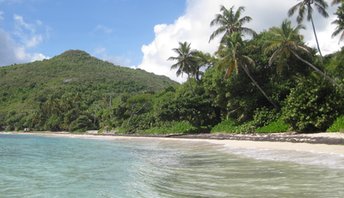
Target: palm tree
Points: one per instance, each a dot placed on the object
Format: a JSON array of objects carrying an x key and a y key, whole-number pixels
[
  {"x": 306, "y": 7},
  {"x": 231, "y": 55},
  {"x": 285, "y": 41},
  {"x": 203, "y": 60},
  {"x": 230, "y": 21},
  {"x": 340, "y": 23},
  {"x": 185, "y": 59}
]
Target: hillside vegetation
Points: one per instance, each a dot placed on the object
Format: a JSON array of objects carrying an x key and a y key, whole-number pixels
[{"x": 72, "y": 81}]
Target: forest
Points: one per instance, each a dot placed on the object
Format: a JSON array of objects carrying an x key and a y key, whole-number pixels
[{"x": 263, "y": 82}]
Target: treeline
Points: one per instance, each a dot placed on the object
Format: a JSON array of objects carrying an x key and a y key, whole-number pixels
[{"x": 271, "y": 82}]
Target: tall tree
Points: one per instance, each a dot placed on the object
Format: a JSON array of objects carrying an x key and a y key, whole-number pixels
[
  {"x": 340, "y": 23},
  {"x": 306, "y": 7},
  {"x": 230, "y": 21},
  {"x": 231, "y": 54},
  {"x": 285, "y": 42},
  {"x": 185, "y": 59}
]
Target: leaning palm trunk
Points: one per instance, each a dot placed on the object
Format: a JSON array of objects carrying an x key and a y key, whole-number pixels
[
  {"x": 316, "y": 38},
  {"x": 314, "y": 67},
  {"x": 260, "y": 89}
]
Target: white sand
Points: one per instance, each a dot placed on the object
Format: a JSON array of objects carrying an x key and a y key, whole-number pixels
[
  {"x": 284, "y": 146},
  {"x": 329, "y": 135}
]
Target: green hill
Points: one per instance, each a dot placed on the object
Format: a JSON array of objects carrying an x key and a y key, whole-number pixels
[{"x": 73, "y": 76}]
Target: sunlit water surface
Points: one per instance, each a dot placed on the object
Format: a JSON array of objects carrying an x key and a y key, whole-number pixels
[{"x": 37, "y": 166}]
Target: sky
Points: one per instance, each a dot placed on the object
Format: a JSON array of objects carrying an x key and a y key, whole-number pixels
[{"x": 132, "y": 33}]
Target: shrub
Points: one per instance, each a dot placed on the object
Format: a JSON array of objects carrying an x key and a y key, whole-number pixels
[
  {"x": 263, "y": 116},
  {"x": 53, "y": 123},
  {"x": 138, "y": 123},
  {"x": 274, "y": 127},
  {"x": 338, "y": 125},
  {"x": 229, "y": 126},
  {"x": 81, "y": 124},
  {"x": 175, "y": 127},
  {"x": 312, "y": 106}
]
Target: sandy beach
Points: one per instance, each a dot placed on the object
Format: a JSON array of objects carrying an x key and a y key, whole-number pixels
[{"x": 227, "y": 143}]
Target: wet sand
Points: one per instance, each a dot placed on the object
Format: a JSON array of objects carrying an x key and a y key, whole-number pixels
[{"x": 245, "y": 141}]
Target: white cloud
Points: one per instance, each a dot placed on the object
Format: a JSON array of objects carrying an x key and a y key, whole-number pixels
[
  {"x": 21, "y": 24},
  {"x": 11, "y": 52},
  {"x": 27, "y": 32},
  {"x": 15, "y": 47},
  {"x": 7, "y": 49},
  {"x": 34, "y": 41},
  {"x": 327, "y": 43},
  {"x": 194, "y": 27}
]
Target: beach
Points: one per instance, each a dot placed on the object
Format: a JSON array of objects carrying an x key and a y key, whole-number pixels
[{"x": 322, "y": 143}]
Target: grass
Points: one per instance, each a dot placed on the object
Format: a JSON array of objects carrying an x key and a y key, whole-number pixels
[
  {"x": 338, "y": 125},
  {"x": 229, "y": 126},
  {"x": 274, "y": 127}
]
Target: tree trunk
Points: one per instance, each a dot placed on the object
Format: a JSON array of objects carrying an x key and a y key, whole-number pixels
[
  {"x": 316, "y": 38},
  {"x": 260, "y": 89},
  {"x": 314, "y": 67}
]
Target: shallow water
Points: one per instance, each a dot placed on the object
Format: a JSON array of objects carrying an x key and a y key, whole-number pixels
[{"x": 37, "y": 166}]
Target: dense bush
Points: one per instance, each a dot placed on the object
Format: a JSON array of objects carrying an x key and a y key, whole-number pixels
[
  {"x": 81, "y": 124},
  {"x": 53, "y": 123},
  {"x": 182, "y": 127},
  {"x": 264, "y": 116},
  {"x": 312, "y": 105},
  {"x": 2, "y": 122},
  {"x": 189, "y": 103}
]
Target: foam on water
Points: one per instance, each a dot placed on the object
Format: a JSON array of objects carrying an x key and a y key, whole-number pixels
[{"x": 328, "y": 160}]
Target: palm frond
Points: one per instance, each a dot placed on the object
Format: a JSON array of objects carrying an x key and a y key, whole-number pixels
[
  {"x": 230, "y": 21},
  {"x": 217, "y": 32},
  {"x": 293, "y": 9}
]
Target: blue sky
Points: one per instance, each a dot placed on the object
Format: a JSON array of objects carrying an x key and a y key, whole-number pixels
[
  {"x": 112, "y": 29},
  {"x": 133, "y": 33}
]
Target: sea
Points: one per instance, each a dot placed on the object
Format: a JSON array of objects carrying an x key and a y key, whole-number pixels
[{"x": 35, "y": 166}]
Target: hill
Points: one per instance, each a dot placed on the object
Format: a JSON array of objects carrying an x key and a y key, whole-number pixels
[{"x": 25, "y": 88}]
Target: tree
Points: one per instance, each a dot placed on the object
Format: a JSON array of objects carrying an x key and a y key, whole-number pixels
[
  {"x": 337, "y": 2},
  {"x": 203, "y": 60},
  {"x": 231, "y": 54},
  {"x": 285, "y": 41},
  {"x": 230, "y": 21},
  {"x": 306, "y": 7},
  {"x": 340, "y": 23},
  {"x": 185, "y": 59}
]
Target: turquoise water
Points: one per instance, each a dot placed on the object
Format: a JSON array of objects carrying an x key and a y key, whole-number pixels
[{"x": 38, "y": 166}]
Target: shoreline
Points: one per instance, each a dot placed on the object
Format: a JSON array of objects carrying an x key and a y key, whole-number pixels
[
  {"x": 313, "y": 143},
  {"x": 310, "y": 138}
]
